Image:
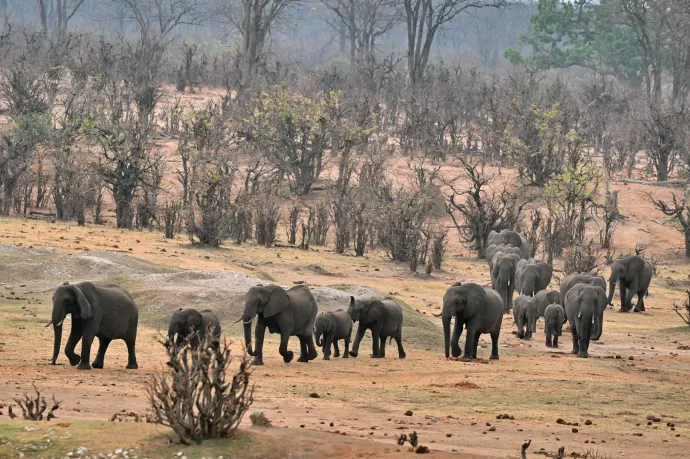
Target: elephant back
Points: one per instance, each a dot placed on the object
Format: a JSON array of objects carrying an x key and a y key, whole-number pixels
[{"x": 303, "y": 305}]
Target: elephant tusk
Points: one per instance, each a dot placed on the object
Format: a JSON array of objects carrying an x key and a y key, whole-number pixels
[
  {"x": 436, "y": 315},
  {"x": 249, "y": 322},
  {"x": 237, "y": 320},
  {"x": 59, "y": 324}
]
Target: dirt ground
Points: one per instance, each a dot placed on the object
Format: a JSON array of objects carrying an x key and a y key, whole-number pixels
[{"x": 640, "y": 368}]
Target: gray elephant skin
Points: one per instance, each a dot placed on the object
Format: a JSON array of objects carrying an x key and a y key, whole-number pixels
[
  {"x": 192, "y": 325},
  {"x": 513, "y": 238},
  {"x": 385, "y": 320},
  {"x": 105, "y": 312},
  {"x": 554, "y": 316},
  {"x": 586, "y": 279},
  {"x": 532, "y": 276},
  {"x": 545, "y": 298},
  {"x": 581, "y": 305},
  {"x": 634, "y": 275},
  {"x": 286, "y": 312},
  {"x": 503, "y": 266},
  {"x": 331, "y": 327},
  {"x": 476, "y": 308},
  {"x": 525, "y": 315}
]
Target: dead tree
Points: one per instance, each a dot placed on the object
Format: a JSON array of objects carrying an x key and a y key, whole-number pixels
[
  {"x": 34, "y": 409},
  {"x": 679, "y": 210}
]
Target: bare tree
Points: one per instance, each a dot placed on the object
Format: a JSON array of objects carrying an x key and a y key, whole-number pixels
[
  {"x": 55, "y": 17},
  {"x": 679, "y": 209},
  {"x": 424, "y": 20}
]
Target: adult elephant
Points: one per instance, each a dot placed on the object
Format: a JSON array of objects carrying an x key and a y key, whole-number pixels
[
  {"x": 513, "y": 238},
  {"x": 532, "y": 276},
  {"x": 525, "y": 316},
  {"x": 477, "y": 308},
  {"x": 544, "y": 298},
  {"x": 592, "y": 279},
  {"x": 192, "y": 325},
  {"x": 333, "y": 326},
  {"x": 105, "y": 312},
  {"x": 581, "y": 305},
  {"x": 503, "y": 277},
  {"x": 289, "y": 313},
  {"x": 383, "y": 317},
  {"x": 634, "y": 275}
]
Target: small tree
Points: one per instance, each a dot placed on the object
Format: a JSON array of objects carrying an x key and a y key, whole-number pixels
[
  {"x": 679, "y": 210},
  {"x": 581, "y": 258},
  {"x": 483, "y": 209},
  {"x": 198, "y": 397},
  {"x": 683, "y": 311}
]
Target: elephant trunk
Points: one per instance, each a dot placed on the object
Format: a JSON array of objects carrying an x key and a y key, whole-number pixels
[
  {"x": 58, "y": 340},
  {"x": 585, "y": 333},
  {"x": 503, "y": 290},
  {"x": 446, "y": 334},
  {"x": 248, "y": 337},
  {"x": 612, "y": 287},
  {"x": 317, "y": 338}
]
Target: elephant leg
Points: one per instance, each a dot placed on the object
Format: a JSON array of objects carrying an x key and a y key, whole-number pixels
[
  {"x": 336, "y": 350},
  {"x": 632, "y": 291},
  {"x": 302, "y": 349},
  {"x": 311, "y": 347},
  {"x": 555, "y": 341},
  {"x": 382, "y": 348},
  {"x": 327, "y": 348},
  {"x": 475, "y": 345},
  {"x": 469, "y": 343},
  {"x": 548, "y": 335},
  {"x": 132, "y": 353},
  {"x": 346, "y": 352},
  {"x": 100, "y": 356},
  {"x": 576, "y": 342},
  {"x": 509, "y": 305},
  {"x": 376, "y": 338},
  {"x": 494, "y": 345},
  {"x": 455, "y": 340},
  {"x": 283, "y": 349},
  {"x": 398, "y": 341},
  {"x": 358, "y": 338},
  {"x": 259, "y": 333},
  {"x": 86, "y": 341},
  {"x": 623, "y": 295},
  {"x": 639, "y": 307},
  {"x": 74, "y": 337}
]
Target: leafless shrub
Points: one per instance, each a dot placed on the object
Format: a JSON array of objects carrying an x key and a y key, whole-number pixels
[
  {"x": 581, "y": 258},
  {"x": 683, "y": 310},
  {"x": 654, "y": 261},
  {"x": 292, "y": 221},
  {"x": 171, "y": 218},
  {"x": 609, "y": 256},
  {"x": 241, "y": 222},
  {"x": 33, "y": 409},
  {"x": 640, "y": 249},
  {"x": 536, "y": 222},
  {"x": 196, "y": 396},
  {"x": 412, "y": 439},
  {"x": 266, "y": 218},
  {"x": 438, "y": 247},
  {"x": 321, "y": 222}
]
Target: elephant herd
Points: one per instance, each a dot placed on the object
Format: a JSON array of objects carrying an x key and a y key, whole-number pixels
[{"x": 110, "y": 313}]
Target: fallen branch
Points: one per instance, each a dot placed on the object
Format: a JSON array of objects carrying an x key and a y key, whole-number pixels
[
  {"x": 675, "y": 183},
  {"x": 523, "y": 450}
]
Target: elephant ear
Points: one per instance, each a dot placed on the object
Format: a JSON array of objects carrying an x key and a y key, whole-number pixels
[
  {"x": 635, "y": 267},
  {"x": 330, "y": 322},
  {"x": 278, "y": 301},
  {"x": 193, "y": 321},
  {"x": 371, "y": 311},
  {"x": 85, "y": 310},
  {"x": 601, "y": 295},
  {"x": 474, "y": 295}
]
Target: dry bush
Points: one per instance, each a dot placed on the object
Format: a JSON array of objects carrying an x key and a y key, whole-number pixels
[
  {"x": 171, "y": 219},
  {"x": 581, "y": 258},
  {"x": 34, "y": 409},
  {"x": 266, "y": 217},
  {"x": 439, "y": 244},
  {"x": 683, "y": 311},
  {"x": 198, "y": 396}
]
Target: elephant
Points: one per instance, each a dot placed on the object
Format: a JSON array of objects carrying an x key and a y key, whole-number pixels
[
  {"x": 588, "y": 279},
  {"x": 105, "y": 312},
  {"x": 581, "y": 304},
  {"x": 477, "y": 308},
  {"x": 554, "y": 316},
  {"x": 194, "y": 325},
  {"x": 532, "y": 276},
  {"x": 289, "y": 313},
  {"x": 513, "y": 238},
  {"x": 333, "y": 326},
  {"x": 525, "y": 315},
  {"x": 543, "y": 299},
  {"x": 634, "y": 275},
  {"x": 503, "y": 276},
  {"x": 383, "y": 317}
]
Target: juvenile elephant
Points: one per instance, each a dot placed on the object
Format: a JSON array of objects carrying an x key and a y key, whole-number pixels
[
  {"x": 105, "y": 312},
  {"x": 544, "y": 298},
  {"x": 554, "y": 316},
  {"x": 194, "y": 325},
  {"x": 333, "y": 326},
  {"x": 513, "y": 238},
  {"x": 634, "y": 275},
  {"x": 586, "y": 279},
  {"x": 581, "y": 305},
  {"x": 525, "y": 315},
  {"x": 532, "y": 276},
  {"x": 289, "y": 313},
  {"x": 503, "y": 276},
  {"x": 383, "y": 317},
  {"x": 477, "y": 308}
]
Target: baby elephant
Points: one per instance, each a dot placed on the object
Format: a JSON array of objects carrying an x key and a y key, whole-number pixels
[
  {"x": 554, "y": 316},
  {"x": 525, "y": 315},
  {"x": 194, "y": 325},
  {"x": 333, "y": 326}
]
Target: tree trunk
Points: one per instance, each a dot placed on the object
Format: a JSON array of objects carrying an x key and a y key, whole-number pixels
[{"x": 686, "y": 231}]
